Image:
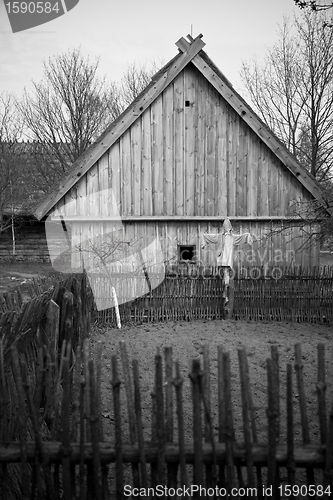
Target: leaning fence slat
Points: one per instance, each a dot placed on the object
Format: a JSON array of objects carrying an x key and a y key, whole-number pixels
[
  {"x": 171, "y": 468},
  {"x": 22, "y": 423},
  {"x": 205, "y": 390},
  {"x": 76, "y": 395},
  {"x": 39, "y": 379},
  {"x": 329, "y": 453},
  {"x": 321, "y": 390},
  {"x": 211, "y": 476},
  {"x": 95, "y": 431},
  {"x": 197, "y": 433},
  {"x": 272, "y": 416},
  {"x": 276, "y": 378},
  {"x": 104, "y": 467},
  {"x": 290, "y": 427},
  {"x": 118, "y": 437},
  {"x": 82, "y": 467},
  {"x": 4, "y": 488},
  {"x": 39, "y": 455},
  {"x": 153, "y": 465},
  {"x": 245, "y": 410},
  {"x": 160, "y": 431},
  {"x": 228, "y": 425},
  {"x": 56, "y": 415},
  {"x": 178, "y": 382},
  {"x": 66, "y": 433},
  {"x": 52, "y": 329},
  {"x": 221, "y": 409},
  {"x": 130, "y": 405},
  {"x": 302, "y": 404},
  {"x": 138, "y": 412},
  {"x": 254, "y": 428},
  {"x": 5, "y": 407}
]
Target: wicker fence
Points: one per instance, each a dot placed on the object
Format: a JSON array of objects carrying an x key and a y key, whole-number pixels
[
  {"x": 36, "y": 328},
  {"x": 71, "y": 455},
  {"x": 52, "y": 315},
  {"x": 180, "y": 296},
  {"x": 270, "y": 294},
  {"x": 189, "y": 292},
  {"x": 302, "y": 295}
]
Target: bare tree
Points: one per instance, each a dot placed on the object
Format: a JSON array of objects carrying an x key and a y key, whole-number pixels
[
  {"x": 69, "y": 109},
  {"x": 66, "y": 112},
  {"x": 134, "y": 81},
  {"x": 313, "y": 5},
  {"x": 11, "y": 179},
  {"x": 292, "y": 91}
]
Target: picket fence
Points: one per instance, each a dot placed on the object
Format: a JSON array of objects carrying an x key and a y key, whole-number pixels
[{"x": 64, "y": 452}]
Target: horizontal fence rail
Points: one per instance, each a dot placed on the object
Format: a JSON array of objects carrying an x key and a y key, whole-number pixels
[{"x": 75, "y": 455}]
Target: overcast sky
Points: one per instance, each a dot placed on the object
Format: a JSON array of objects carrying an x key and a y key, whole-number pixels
[{"x": 123, "y": 31}]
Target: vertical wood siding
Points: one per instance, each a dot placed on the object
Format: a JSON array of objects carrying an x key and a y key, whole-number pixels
[
  {"x": 291, "y": 247},
  {"x": 199, "y": 159}
]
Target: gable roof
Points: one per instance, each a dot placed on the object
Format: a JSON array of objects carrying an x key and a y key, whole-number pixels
[{"x": 189, "y": 52}]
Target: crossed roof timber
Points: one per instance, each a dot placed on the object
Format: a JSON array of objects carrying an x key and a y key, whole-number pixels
[{"x": 189, "y": 52}]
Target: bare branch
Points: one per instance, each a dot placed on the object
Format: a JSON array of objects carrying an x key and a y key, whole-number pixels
[{"x": 292, "y": 91}]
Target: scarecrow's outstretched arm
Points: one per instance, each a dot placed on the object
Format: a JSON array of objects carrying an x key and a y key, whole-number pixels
[
  {"x": 241, "y": 239},
  {"x": 210, "y": 238}
]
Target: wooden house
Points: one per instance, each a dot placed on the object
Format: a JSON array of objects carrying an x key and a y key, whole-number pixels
[
  {"x": 186, "y": 154},
  {"x": 22, "y": 236}
]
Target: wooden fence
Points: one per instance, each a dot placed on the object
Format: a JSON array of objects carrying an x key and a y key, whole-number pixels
[
  {"x": 283, "y": 294},
  {"x": 72, "y": 455},
  {"x": 54, "y": 313},
  {"x": 270, "y": 294},
  {"x": 178, "y": 297},
  {"x": 189, "y": 293},
  {"x": 49, "y": 317}
]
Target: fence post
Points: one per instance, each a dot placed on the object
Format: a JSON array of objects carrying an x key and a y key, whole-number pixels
[
  {"x": 195, "y": 376},
  {"x": 52, "y": 329},
  {"x": 229, "y": 309}
]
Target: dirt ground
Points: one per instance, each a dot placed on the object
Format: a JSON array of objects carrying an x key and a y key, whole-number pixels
[{"x": 187, "y": 340}]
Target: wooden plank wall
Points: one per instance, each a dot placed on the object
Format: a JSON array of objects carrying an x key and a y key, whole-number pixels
[
  {"x": 30, "y": 242},
  {"x": 189, "y": 154},
  {"x": 200, "y": 159},
  {"x": 280, "y": 249}
]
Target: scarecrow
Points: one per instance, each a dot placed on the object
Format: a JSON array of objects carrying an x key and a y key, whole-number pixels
[{"x": 226, "y": 242}]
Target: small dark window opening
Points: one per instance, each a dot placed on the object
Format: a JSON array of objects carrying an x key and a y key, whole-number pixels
[
  {"x": 187, "y": 104},
  {"x": 186, "y": 252}
]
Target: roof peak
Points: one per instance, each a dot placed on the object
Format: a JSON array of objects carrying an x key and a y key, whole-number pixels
[{"x": 184, "y": 45}]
